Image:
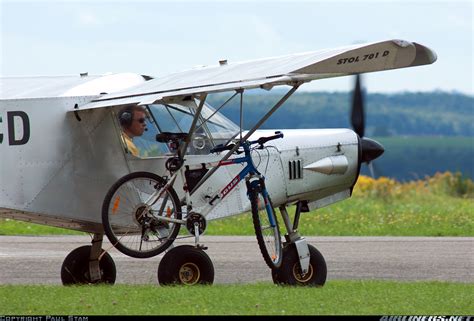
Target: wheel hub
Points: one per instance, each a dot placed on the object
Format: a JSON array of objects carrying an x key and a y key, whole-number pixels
[
  {"x": 189, "y": 274},
  {"x": 299, "y": 276},
  {"x": 140, "y": 214}
]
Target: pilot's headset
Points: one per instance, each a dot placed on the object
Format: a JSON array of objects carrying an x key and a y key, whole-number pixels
[{"x": 126, "y": 116}]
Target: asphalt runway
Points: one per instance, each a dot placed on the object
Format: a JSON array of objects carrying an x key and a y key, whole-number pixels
[{"x": 38, "y": 260}]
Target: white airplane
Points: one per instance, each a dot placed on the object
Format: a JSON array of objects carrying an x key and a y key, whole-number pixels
[{"x": 65, "y": 160}]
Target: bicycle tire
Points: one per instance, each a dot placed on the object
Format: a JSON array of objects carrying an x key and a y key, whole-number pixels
[
  {"x": 131, "y": 230},
  {"x": 268, "y": 236}
]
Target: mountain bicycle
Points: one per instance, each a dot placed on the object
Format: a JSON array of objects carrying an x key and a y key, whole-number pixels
[{"x": 142, "y": 213}]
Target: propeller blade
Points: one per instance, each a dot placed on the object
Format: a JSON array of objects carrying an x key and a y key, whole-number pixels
[
  {"x": 357, "y": 113},
  {"x": 376, "y": 169},
  {"x": 371, "y": 169}
]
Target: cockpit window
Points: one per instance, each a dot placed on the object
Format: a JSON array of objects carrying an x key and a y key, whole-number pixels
[{"x": 212, "y": 129}]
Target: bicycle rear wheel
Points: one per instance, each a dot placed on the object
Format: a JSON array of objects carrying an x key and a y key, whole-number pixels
[
  {"x": 133, "y": 226},
  {"x": 266, "y": 226}
]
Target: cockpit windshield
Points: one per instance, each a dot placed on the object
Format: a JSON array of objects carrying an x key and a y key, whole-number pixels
[{"x": 212, "y": 128}]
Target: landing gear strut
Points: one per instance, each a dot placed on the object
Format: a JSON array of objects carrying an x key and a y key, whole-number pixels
[
  {"x": 302, "y": 263},
  {"x": 88, "y": 264},
  {"x": 290, "y": 271}
]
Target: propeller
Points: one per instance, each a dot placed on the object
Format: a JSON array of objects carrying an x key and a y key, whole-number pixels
[
  {"x": 371, "y": 149},
  {"x": 357, "y": 113}
]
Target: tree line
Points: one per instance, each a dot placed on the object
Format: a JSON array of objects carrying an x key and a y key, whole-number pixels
[
  {"x": 423, "y": 133},
  {"x": 415, "y": 114}
]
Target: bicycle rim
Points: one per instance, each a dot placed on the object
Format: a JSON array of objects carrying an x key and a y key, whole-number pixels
[
  {"x": 132, "y": 226},
  {"x": 266, "y": 229}
]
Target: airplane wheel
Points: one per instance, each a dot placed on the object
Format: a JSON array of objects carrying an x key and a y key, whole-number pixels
[
  {"x": 289, "y": 272},
  {"x": 75, "y": 268},
  {"x": 186, "y": 265}
]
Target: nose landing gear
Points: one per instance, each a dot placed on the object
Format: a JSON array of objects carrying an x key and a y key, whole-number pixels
[
  {"x": 302, "y": 263},
  {"x": 290, "y": 271}
]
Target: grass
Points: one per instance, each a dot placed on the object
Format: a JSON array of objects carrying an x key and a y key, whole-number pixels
[
  {"x": 441, "y": 205},
  {"x": 430, "y": 215},
  {"x": 336, "y": 297},
  {"x": 13, "y": 227}
]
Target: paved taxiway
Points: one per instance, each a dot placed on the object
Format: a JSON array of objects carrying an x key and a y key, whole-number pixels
[{"x": 37, "y": 260}]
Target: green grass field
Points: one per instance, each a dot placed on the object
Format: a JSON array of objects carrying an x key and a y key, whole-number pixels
[
  {"x": 431, "y": 215},
  {"x": 336, "y": 297},
  {"x": 382, "y": 207}
]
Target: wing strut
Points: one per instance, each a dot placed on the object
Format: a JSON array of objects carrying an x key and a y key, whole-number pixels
[
  {"x": 215, "y": 112},
  {"x": 249, "y": 133},
  {"x": 197, "y": 114},
  {"x": 241, "y": 111}
]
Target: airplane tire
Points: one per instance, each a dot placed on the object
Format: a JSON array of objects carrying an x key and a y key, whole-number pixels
[
  {"x": 75, "y": 268},
  {"x": 185, "y": 265},
  {"x": 289, "y": 272}
]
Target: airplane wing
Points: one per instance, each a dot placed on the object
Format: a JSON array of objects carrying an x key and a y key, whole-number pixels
[{"x": 269, "y": 72}]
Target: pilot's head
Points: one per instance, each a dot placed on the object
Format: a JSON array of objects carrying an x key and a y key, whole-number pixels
[{"x": 132, "y": 119}]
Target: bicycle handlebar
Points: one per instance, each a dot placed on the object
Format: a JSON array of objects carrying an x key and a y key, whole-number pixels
[
  {"x": 263, "y": 140},
  {"x": 219, "y": 148},
  {"x": 260, "y": 141}
]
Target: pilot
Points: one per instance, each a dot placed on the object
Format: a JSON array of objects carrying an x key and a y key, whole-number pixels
[{"x": 132, "y": 119}]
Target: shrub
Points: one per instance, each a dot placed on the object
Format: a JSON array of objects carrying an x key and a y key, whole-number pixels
[{"x": 439, "y": 184}]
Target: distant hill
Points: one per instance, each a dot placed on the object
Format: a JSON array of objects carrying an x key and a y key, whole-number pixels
[
  {"x": 442, "y": 122},
  {"x": 414, "y": 157},
  {"x": 414, "y": 114}
]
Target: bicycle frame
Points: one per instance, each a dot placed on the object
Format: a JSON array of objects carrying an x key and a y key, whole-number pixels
[
  {"x": 248, "y": 172},
  {"x": 248, "y": 169}
]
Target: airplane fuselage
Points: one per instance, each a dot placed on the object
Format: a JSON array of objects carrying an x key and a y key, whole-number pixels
[{"x": 57, "y": 166}]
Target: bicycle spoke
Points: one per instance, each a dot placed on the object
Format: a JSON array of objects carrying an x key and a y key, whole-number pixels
[
  {"x": 131, "y": 225},
  {"x": 268, "y": 234}
]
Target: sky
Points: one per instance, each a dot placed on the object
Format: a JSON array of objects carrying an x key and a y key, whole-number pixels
[{"x": 158, "y": 37}]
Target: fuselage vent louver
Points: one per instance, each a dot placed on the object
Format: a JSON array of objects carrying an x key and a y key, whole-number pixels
[{"x": 294, "y": 168}]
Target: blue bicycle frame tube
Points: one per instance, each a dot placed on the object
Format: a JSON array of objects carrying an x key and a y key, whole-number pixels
[
  {"x": 268, "y": 207},
  {"x": 249, "y": 168}
]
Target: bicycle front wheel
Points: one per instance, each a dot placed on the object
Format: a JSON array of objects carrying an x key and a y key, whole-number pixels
[
  {"x": 133, "y": 226},
  {"x": 266, "y": 226}
]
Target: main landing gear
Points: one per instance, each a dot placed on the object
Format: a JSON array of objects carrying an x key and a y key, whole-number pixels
[
  {"x": 88, "y": 264},
  {"x": 186, "y": 264},
  {"x": 302, "y": 264}
]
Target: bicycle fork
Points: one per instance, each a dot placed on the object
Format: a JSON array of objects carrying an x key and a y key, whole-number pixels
[{"x": 260, "y": 183}]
